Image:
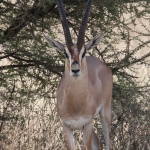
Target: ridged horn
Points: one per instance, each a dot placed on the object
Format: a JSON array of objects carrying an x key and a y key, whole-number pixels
[
  {"x": 80, "y": 40},
  {"x": 64, "y": 23}
]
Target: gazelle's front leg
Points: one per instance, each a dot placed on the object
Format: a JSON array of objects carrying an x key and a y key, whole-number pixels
[
  {"x": 105, "y": 115},
  {"x": 87, "y": 135},
  {"x": 68, "y": 137}
]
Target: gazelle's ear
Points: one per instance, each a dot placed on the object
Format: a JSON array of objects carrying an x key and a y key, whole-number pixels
[
  {"x": 55, "y": 44},
  {"x": 94, "y": 42}
]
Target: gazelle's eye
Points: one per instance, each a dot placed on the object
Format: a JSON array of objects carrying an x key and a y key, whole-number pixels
[
  {"x": 66, "y": 55},
  {"x": 83, "y": 54}
]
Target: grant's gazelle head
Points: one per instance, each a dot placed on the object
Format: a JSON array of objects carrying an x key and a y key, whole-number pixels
[{"x": 74, "y": 52}]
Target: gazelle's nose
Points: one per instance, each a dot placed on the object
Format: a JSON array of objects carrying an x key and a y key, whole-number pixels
[
  {"x": 75, "y": 71},
  {"x": 75, "y": 68}
]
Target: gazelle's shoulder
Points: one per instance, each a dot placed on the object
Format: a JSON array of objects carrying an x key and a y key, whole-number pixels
[
  {"x": 94, "y": 60},
  {"x": 95, "y": 63}
]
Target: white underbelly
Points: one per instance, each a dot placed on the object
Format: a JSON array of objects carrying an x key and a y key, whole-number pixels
[{"x": 78, "y": 124}]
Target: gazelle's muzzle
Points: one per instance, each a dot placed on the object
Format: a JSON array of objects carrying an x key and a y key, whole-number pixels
[{"x": 75, "y": 69}]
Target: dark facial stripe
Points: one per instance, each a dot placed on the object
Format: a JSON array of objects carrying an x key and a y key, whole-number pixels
[
  {"x": 83, "y": 55},
  {"x": 66, "y": 55}
]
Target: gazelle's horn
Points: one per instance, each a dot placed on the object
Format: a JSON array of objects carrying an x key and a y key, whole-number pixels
[
  {"x": 80, "y": 40},
  {"x": 64, "y": 23}
]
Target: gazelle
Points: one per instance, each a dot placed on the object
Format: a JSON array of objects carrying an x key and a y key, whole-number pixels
[{"x": 85, "y": 89}]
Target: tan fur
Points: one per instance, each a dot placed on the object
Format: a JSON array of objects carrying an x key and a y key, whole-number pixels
[{"x": 79, "y": 97}]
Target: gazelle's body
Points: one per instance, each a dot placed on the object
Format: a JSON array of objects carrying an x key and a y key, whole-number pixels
[
  {"x": 85, "y": 89},
  {"x": 84, "y": 96},
  {"x": 80, "y": 99}
]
